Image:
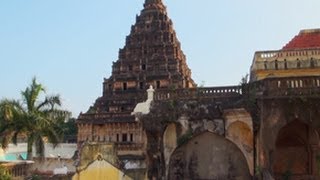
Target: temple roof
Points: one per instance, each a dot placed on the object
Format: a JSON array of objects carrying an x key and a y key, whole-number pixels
[{"x": 309, "y": 38}]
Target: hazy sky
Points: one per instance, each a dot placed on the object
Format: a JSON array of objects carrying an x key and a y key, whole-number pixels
[{"x": 69, "y": 45}]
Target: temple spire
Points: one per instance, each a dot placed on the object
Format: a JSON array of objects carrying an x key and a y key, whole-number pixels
[
  {"x": 153, "y": 4},
  {"x": 153, "y": 1}
]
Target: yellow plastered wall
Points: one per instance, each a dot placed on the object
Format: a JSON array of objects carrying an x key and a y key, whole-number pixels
[
  {"x": 262, "y": 74},
  {"x": 101, "y": 170}
]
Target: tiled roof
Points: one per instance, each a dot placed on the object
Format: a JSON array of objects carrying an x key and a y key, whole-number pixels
[{"x": 305, "y": 39}]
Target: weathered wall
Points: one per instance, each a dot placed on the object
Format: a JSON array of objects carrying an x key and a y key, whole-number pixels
[
  {"x": 287, "y": 142},
  {"x": 239, "y": 130},
  {"x": 169, "y": 143},
  {"x": 208, "y": 156},
  {"x": 101, "y": 170},
  {"x": 47, "y": 165},
  {"x": 90, "y": 152},
  {"x": 99, "y": 161}
]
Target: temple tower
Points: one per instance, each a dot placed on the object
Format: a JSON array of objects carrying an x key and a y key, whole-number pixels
[{"x": 152, "y": 55}]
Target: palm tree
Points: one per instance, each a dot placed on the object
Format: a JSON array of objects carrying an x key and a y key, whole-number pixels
[{"x": 39, "y": 121}]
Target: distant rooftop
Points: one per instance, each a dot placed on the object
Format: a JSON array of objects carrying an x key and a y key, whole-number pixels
[{"x": 308, "y": 38}]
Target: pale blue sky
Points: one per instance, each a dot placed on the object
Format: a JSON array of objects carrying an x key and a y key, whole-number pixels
[{"x": 69, "y": 45}]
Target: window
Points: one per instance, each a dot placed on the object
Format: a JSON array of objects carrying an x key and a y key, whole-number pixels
[
  {"x": 312, "y": 63},
  {"x": 298, "y": 63},
  {"x": 124, "y": 86},
  {"x": 158, "y": 84},
  {"x": 143, "y": 67},
  {"x": 265, "y": 65},
  {"x": 124, "y": 137},
  {"x": 141, "y": 85},
  {"x": 131, "y": 137},
  {"x": 117, "y": 137},
  {"x": 285, "y": 64},
  {"x": 130, "y": 67}
]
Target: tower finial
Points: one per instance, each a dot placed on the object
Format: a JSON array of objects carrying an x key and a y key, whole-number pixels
[
  {"x": 153, "y": 1},
  {"x": 149, "y": 3}
]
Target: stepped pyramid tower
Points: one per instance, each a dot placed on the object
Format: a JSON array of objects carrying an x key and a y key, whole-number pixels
[{"x": 152, "y": 55}]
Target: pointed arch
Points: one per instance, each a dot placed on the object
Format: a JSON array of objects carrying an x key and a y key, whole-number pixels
[{"x": 294, "y": 154}]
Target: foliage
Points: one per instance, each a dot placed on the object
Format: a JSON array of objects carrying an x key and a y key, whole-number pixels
[
  {"x": 185, "y": 138},
  {"x": 244, "y": 80},
  {"x": 3, "y": 174},
  {"x": 70, "y": 128},
  {"x": 38, "y": 121},
  {"x": 35, "y": 177},
  {"x": 306, "y": 108},
  {"x": 258, "y": 171},
  {"x": 250, "y": 102},
  {"x": 156, "y": 120}
]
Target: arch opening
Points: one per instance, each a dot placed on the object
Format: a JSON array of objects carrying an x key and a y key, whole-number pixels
[{"x": 294, "y": 156}]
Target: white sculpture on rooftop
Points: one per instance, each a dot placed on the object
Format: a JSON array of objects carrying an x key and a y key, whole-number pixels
[{"x": 144, "y": 107}]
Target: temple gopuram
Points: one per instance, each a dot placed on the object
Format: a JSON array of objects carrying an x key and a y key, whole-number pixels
[
  {"x": 153, "y": 122},
  {"x": 152, "y": 56}
]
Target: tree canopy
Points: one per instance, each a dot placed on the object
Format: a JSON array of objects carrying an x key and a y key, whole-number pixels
[{"x": 39, "y": 121}]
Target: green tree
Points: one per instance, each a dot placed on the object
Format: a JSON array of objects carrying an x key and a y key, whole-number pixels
[
  {"x": 39, "y": 121},
  {"x": 70, "y": 130}
]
